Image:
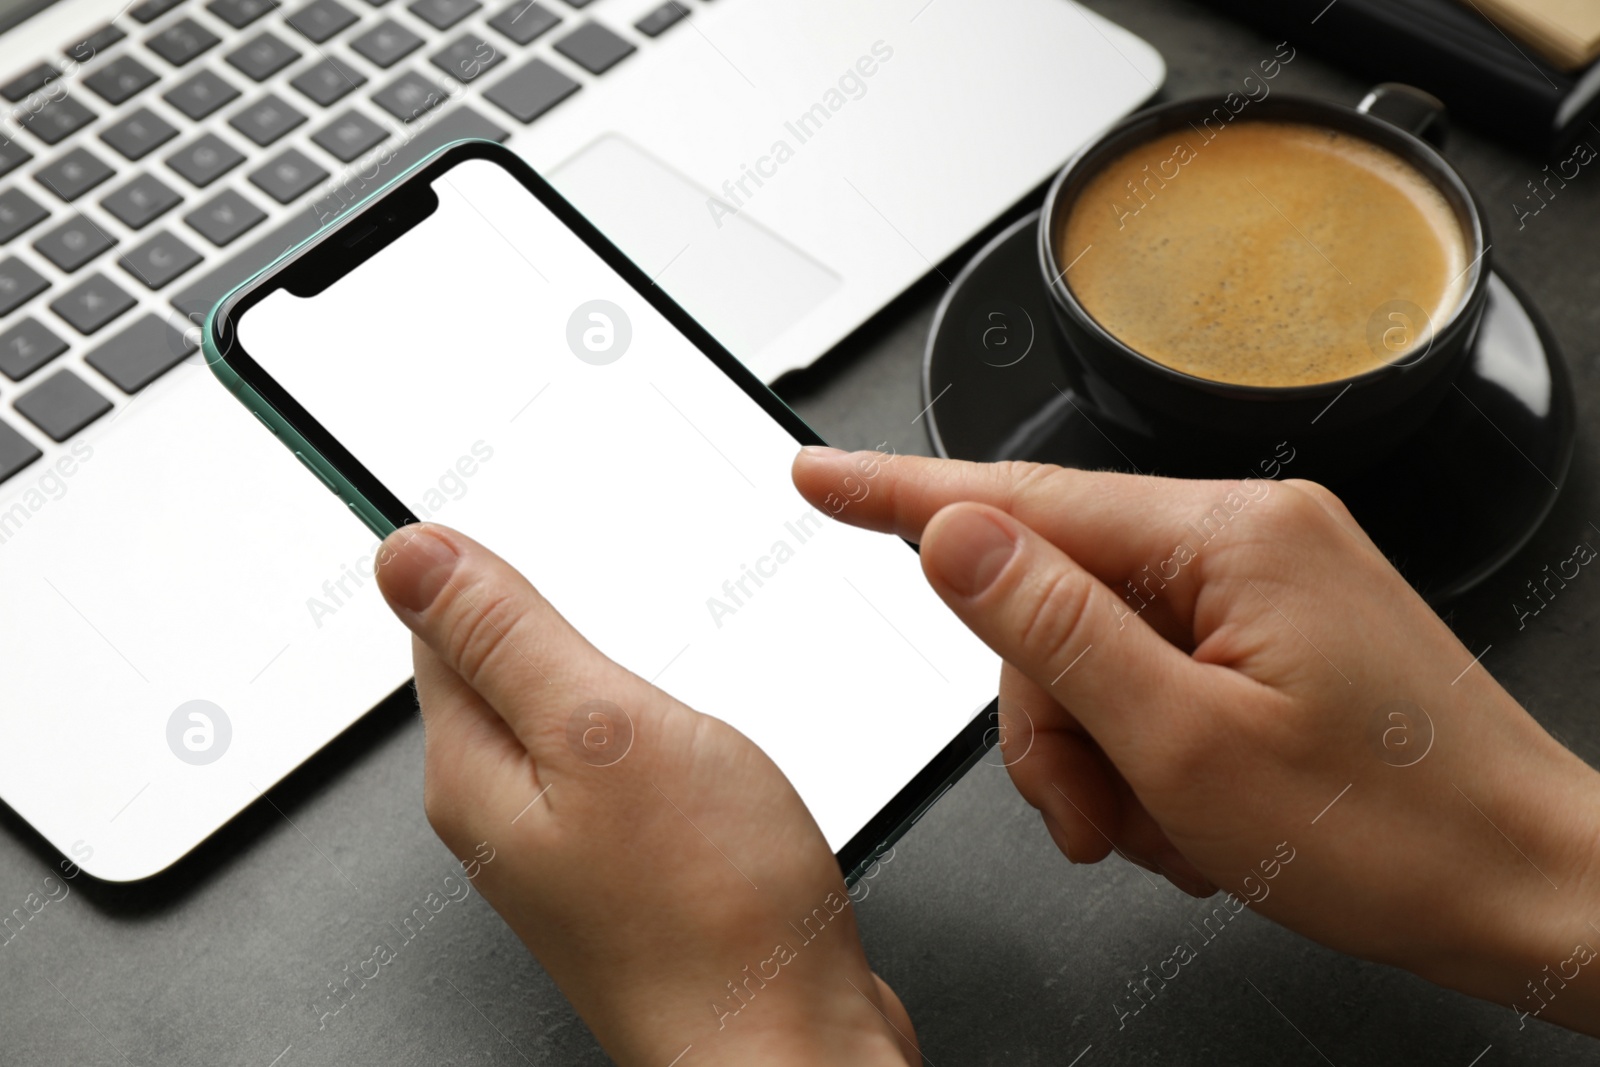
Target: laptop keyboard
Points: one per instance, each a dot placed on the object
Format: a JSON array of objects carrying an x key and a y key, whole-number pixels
[{"x": 160, "y": 140}]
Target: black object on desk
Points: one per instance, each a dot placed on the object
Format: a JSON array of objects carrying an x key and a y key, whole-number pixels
[{"x": 1447, "y": 48}]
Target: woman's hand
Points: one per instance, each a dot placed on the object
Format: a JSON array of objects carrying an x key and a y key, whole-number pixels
[
  {"x": 658, "y": 864},
  {"x": 1228, "y": 683}
]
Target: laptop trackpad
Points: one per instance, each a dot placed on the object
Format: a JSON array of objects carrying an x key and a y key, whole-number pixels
[{"x": 743, "y": 282}]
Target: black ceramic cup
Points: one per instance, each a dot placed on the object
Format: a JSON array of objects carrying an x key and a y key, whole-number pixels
[{"x": 1167, "y": 420}]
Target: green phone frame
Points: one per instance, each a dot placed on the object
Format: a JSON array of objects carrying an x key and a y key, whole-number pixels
[{"x": 275, "y": 421}]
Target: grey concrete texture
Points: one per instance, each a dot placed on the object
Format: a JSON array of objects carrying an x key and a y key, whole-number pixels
[{"x": 1002, "y": 951}]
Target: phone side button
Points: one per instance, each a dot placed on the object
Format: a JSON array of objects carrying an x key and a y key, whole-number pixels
[
  {"x": 262, "y": 419},
  {"x": 377, "y": 530},
  {"x": 323, "y": 478}
]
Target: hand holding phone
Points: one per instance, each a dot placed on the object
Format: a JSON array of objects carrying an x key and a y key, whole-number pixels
[
  {"x": 1280, "y": 716},
  {"x": 657, "y": 863}
]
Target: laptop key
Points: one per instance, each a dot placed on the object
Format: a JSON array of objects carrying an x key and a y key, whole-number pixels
[
  {"x": 56, "y": 120},
  {"x": 142, "y": 201},
  {"x": 91, "y": 303},
  {"x": 442, "y": 14},
  {"x": 328, "y": 81},
  {"x": 288, "y": 176},
  {"x": 524, "y": 21},
  {"x": 141, "y": 353},
  {"x": 386, "y": 43},
  {"x": 19, "y": 213},
  {"x": 73, "y": 174},
  {"x": 467, "y": 57},
  {"x": 139, "y": 134},
  {"x": 94, "y": 44},
  {"x": 594, "y": 48},
  {"x": 321, "y": 19},
  {"x": 158, "y": 260},
  {"x": 262, "y": 57},
  {"x": 151, "y": 10},
  {"x": 206, "y": 160},
  {"x": 196, "y": 297},
  {"x": 266, "y": 120},
  {"x": 28, "y": 82},
  {"x": 181, "y": 42},
  {"x": 16, "y": 452},
  {"x": 62, "y": 404},
  {"x": 456, "y": 122},
  {"x": 223, "y": 218},
  {"x": 12, "y": 155},
  {"x": 350, "y": 135},
  {"x": 19, "y": 283},
  {"x": 409, "y": 97},
  {"x": 240, "y": 13},
  {"x": 120, "y": 79},
  {"x": 200, "y": 95},
  {"x": 530, "y": 91},
  {"x": 26, "y": 347},
  {"x": 73, "y": 243},
  {"x": 661, "y": 19}
]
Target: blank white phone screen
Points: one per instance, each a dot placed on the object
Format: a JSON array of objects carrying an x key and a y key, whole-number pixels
[{"x": 497, "y": 376}]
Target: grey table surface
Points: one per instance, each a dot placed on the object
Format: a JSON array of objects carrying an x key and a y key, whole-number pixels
[{"x": 1001, "y": 950}]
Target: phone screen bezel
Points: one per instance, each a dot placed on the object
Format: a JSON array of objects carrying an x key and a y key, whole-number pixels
[{"x": 364, "y": 230}]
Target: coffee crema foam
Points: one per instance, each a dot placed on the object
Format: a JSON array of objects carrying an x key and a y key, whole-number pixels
[{"x": 1263, "y": 256}]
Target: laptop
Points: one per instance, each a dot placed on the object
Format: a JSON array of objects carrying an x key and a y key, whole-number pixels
[{"x": 187, "y": 616}]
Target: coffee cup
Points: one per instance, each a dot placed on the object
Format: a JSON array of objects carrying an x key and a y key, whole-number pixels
[{"x": 1230, "y": 275}]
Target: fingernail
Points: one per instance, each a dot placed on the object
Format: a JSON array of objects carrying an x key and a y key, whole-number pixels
[
  {"x": 821, "y": 451},
  {"x": 415, "y": 564},
  {"x": 972, "y": 549}
]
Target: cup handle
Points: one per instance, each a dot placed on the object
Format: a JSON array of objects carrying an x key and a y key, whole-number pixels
[{"x": 1418, "y": 113}]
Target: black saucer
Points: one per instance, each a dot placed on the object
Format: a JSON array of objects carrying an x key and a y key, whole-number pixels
[{"x": 1449, "y": 508}]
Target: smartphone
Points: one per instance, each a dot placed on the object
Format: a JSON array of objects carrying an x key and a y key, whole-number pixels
[{"x": 466, "y": 347}]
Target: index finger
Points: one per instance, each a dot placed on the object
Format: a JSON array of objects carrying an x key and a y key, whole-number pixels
[{"x": 1122, "y": 528}]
